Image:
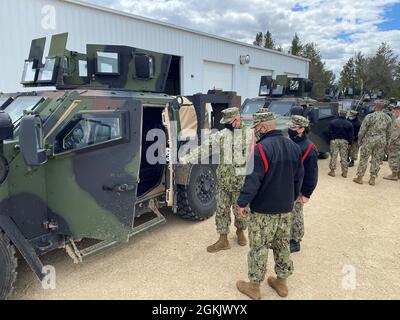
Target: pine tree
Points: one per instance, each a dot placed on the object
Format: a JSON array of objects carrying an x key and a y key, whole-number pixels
[
  {"x": 347, "y": 75},
  {"x": 259, "y": 39},
  {"x": 296, "y": 46},
  {"x": 268, "y": 41}
]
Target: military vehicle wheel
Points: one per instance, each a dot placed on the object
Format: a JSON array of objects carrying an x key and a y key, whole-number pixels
[
  {"x": 8, "y": 266},
  {"x": 197, "y": 200},
  {"x": 323, "y": 155}
]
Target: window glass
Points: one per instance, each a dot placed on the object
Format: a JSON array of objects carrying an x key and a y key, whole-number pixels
[
  {"x": 83, "y": 72},
  {"x": 88, "y": 131},
  {"x": 17, "y": 107},
  {"x": 29, "y": 73},
  {"x": 325, "y": 112},
  {"x": 253, "y": 106},
  {"x": 46, "y": 73},
  {"x": 108, "y": 62},
  {"x": 281, "y": 108}
]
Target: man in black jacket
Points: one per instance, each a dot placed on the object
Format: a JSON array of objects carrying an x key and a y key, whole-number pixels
[
  {"x": 341, "y": 135},
  {"x": 298, "y": 129},
  {"x": 270, "y": 190},
  {"x": 355, "y": 147}
]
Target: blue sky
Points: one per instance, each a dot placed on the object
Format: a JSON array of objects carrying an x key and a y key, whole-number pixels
[{"x": 339, "y": 27}]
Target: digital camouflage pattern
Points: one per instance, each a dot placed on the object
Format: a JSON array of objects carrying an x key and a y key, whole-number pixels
[
  {"x": 394, "y": 146},
  {"x": 229, "y": 115},
  {"x": 339, "y": 147},
  {"x": 226, "y": 202},
  {"x": 354, "y": 150},
  {"x": 297, "y": 231},
  {"x": 234, "y": 150},
  {"x": 373, "y": 137},
  {"x": 260, "y": 117},
  {"x": 299, "y": 121},
  {"x": 269, "y": 231}
]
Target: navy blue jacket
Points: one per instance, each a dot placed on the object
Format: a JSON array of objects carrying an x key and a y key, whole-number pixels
[
  {"x": 356, "y": 126},
  {"x": 341, "y": 128},
  {"x": 310, "y": 162},
  {"x": 275, "y": 182}
]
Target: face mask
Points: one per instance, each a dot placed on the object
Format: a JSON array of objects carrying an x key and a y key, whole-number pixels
[
  {"x": 293, "y": 134},
  {"x": 351, "y": 118},
  {"x": 229, "y": 126}
]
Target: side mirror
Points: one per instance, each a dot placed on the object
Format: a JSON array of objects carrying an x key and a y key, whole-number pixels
[
  {"x": 6, "y": 126},
  {"x": 313, "y": 115},
  {"x": 31, "y": 140}
]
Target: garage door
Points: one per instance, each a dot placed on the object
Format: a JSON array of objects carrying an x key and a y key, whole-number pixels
[
  {"x": 217, "y": 75},
  {"x": 254, "y": 78}
]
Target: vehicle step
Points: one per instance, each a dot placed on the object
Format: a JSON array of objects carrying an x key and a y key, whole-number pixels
[{"x": 107, "y": 244}]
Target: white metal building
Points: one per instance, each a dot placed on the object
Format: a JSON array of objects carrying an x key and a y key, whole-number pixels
[{"x": 205, "y": 61}]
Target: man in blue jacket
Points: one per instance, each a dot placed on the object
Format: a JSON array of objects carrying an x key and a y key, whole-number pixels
[
  {"x": 270, "y": 190},
  {"x": 298, "y": 129},
  {"x": 341, "y": 134}
]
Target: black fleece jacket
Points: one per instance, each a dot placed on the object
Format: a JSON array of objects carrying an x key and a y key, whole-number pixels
[
  {"x": 274, "y": 184},
  {"x": 310, "y": 163},
  {"x": 356, "y": 126},
  {"x": 341, "y": 128}
]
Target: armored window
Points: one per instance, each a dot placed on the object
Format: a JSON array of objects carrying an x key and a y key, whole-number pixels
[
  {"x": 91, "y": 129},
  {"x": 29, "y": 73},
  {"x": 107, "y": 63},
  {"x": 83, "y": 71},
  {"x": 46, "y": 74},
  {"x": 325, "y": 112}
]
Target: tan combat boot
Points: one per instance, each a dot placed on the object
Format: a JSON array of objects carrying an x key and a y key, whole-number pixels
[
  {"x": 221, "y": 244},
  {"x": 279, "y": 285},
  {"x": 394, "y": 176},
  {"x": 242, "y": 241},
  {"x": 332, "y": 173},
  {"x": 372, "y": 181},
  {"x": 358, "y": 180},
  {"x": 250, "y": 289}
]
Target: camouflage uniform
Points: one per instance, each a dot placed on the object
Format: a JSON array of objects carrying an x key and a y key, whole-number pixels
[
  {"x": 269, "y": 231},
  {"x": 394, "y": 147},
  {"x": 230, "y": 176},
  {"x": 339, "y": 146},
  {"x": 297, "y": 231},
  {"x": 373, "y": 137}
]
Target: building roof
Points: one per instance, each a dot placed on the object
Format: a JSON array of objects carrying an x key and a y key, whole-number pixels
[{"x": 170, "y": 25}]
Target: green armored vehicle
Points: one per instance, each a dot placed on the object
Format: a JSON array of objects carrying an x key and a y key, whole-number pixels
[
  {"x": 75, "y": 164},
  {"x": 284, "y": 96}
]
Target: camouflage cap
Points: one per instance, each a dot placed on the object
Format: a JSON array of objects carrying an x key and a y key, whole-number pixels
[
  {"x": 229, "y": 114},
  {"x": 260, "y": 117},
  {"x": 299, "y": 121},
  {"x": 263, "y": 110}
]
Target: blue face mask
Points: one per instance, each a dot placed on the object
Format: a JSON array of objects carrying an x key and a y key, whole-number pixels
[{"x": 293, "y": 134}]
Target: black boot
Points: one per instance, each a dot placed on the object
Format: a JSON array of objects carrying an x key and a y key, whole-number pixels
[
  {"x": 351, "y": 163},
  {"x": 294, "y": 246}
]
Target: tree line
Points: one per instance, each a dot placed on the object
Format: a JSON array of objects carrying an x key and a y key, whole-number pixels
[
  {"x": 321, "y": 76},
  {"x": 378, "y": 72}
]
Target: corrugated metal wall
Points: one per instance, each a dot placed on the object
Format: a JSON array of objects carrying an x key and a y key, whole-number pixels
[{"x": 23, "y": 20}]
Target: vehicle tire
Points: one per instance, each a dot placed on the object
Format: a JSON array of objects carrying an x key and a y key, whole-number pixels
[
  {"x": 197, "y": 201},
  {"x": 8, "y": 266},
  {"x": 323, "y": 155}
]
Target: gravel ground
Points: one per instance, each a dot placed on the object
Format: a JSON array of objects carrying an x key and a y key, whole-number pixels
[{"x": 351, "y": 250}]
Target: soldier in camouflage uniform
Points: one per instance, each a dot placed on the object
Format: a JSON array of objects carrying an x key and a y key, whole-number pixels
[
  {"x": 373, "y": 137},
  {"x": 394, "y": 146},
  {"x": 277, "y": 174},
  {"x": 341, "y": 137},
  {"x": 230, "y": 174},
  {"x": 355, "y": 147}
]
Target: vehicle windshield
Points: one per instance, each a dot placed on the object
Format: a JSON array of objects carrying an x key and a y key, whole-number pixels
[
  {"x": 252, "y": 106},
  {"x": 281, "y": 108},
  {"x": 347, "y": 105},
  {"x": 17, "y": 107}
]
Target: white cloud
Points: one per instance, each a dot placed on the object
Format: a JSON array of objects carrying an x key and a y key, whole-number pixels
[{"x": 339, "y": 27}]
